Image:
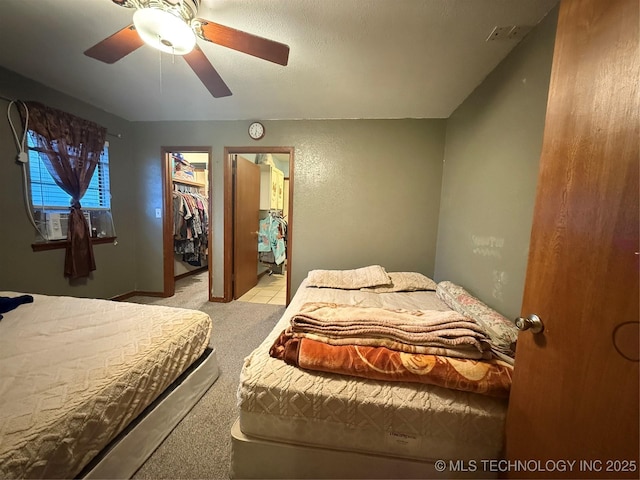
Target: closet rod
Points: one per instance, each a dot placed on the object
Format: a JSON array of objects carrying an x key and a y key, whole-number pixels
[{"x": 7, "y": 99}]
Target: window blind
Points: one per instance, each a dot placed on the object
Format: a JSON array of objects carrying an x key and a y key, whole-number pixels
[{"x": 46, "y": 194}]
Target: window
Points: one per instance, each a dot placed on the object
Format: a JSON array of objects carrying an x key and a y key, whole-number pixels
[{"x": 50, "y": 203}]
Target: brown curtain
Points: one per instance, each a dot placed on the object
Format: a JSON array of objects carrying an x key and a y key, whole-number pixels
[{"x": 72, "y": 148}]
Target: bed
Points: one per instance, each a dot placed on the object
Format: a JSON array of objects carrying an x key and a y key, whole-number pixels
[
  {"x": 89, "y": 388},
  {"x": 302, "y": 423}
]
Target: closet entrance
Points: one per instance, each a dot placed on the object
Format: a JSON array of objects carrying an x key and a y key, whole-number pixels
[
  {"x": 258, "y": 211},
  {"x": 186, "y": 224}
]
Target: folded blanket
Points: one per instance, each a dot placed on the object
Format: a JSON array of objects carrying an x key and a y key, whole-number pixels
[
  {"x": 458, "y": 351},
  {"x": 427, "y": 328},
  {"x": 490, "y": 377}
]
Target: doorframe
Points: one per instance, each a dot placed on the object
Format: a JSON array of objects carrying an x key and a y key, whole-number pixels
[
  {"x": 169, "y": 283},
  {"x": 228, "y": 213}
]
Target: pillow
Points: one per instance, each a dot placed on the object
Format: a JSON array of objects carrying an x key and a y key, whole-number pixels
[
  {"x": 356, "y": 279},
  {"x": 502, "y": 332},
  {"x": 404, "y": 282}
]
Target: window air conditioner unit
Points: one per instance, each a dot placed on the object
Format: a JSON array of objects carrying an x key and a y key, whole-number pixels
[{"x": 58, "y": 224}]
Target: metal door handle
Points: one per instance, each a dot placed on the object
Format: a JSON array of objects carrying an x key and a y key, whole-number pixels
[{"x": 532, "y": 322}]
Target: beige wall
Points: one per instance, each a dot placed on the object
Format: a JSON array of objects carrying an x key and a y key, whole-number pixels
[
  {"x": 42, "y": 272},
  {"x": 493, "y": 145},
  {"x": 365, "y": 191}
]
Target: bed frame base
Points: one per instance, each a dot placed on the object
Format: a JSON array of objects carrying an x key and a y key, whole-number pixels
[
  {"x": 124, "y": 456},
  {"x": 255, "y": 458}
]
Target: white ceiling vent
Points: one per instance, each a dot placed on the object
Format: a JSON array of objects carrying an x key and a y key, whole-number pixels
[{"x": 509, "y": 32}]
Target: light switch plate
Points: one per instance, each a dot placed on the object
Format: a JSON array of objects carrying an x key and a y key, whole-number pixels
[{"x": 158, "y": 213}]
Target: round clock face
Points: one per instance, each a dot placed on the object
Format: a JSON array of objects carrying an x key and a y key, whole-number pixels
[{"x": 256, "y": 130}]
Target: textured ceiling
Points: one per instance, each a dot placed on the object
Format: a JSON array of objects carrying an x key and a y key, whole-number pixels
[{"x": 348, "y": 58}]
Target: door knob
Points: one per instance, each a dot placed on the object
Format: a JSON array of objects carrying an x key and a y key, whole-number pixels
[{"x": 532, "y": 322}]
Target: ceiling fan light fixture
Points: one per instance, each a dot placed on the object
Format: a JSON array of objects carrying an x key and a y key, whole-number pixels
[{"x": 164, "y": 30}]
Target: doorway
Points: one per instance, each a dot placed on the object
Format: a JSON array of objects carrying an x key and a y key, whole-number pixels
[
  {"x": 231, "y": 209},
  {"x": 188, "y": 171}
]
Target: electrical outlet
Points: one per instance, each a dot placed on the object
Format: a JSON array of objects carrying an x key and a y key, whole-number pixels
[
  {"x": 509, "y": 32},
  {"x": 158, "y": 213},
  {"x": 518, "y": 32},
  {"x": 499, "y": 33}
]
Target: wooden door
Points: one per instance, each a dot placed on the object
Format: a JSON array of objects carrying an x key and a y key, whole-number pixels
[
  {"x": 246, "y": 218},
  {"x": 575, "y": 385}
]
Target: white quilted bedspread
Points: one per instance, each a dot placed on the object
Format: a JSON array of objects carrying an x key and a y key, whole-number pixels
[
  {"x": 74, "y": 372},
  {"x": 284, "y": 403}
]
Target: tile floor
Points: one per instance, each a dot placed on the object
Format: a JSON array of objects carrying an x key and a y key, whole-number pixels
[{"x": 271, "y": 289}]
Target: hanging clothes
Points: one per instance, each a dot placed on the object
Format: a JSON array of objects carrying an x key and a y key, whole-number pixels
[
  {"x": 264, "y": 235},
  {"x": 272, "y": 236},
  {"x": 190, "y": 226}
]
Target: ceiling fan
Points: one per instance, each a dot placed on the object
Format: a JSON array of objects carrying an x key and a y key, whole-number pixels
[{"x": 172, "y": 27}]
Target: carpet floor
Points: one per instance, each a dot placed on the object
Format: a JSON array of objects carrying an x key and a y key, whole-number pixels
[{"x": 200, "y": 445}]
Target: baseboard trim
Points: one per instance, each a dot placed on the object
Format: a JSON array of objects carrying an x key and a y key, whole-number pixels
[{"x": 125, "y": 296}]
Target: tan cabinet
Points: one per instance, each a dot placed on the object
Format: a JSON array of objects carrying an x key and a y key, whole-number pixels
[{"x": 271, "y": 188}]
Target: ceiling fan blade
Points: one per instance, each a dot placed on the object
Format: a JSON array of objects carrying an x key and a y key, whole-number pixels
[
  {"x": 208, "y": 75},
  {"x": 244, "y": 42},
  {"x": 118, "y": 45}
]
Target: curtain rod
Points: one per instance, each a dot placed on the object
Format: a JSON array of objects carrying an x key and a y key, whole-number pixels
[{"x": 2, "y": 97}]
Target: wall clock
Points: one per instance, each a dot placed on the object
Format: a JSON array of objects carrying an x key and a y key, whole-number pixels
[{"x": 256, "y": 130}]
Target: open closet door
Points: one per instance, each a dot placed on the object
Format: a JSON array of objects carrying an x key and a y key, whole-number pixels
[{"x": 246, "y": 218}]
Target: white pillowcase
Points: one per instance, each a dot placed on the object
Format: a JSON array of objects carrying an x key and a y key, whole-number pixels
[
  {"x": 371, "y": 276},
  {"x": 405, "y": 282}
]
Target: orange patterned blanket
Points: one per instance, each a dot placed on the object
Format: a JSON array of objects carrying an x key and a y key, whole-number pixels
[{"x": 488, "y": 377}]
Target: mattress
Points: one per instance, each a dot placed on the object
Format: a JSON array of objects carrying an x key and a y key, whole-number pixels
[
  {"x": 75, "y": 372},
  {"x": 282, "y": 403}
]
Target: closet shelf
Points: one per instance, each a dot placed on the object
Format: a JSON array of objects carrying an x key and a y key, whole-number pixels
[{"x": 188, "y": 182}]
